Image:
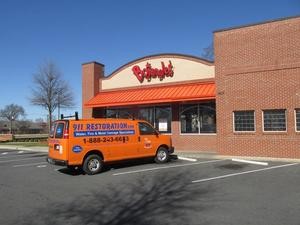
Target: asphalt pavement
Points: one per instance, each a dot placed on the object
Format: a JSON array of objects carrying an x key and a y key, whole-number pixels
[{"x": 206, "y": 191}]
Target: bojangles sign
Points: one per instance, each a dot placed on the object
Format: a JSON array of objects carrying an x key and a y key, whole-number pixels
[{"x": 149, "y": 73}]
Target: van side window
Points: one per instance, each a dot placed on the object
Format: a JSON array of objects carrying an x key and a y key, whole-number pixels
[
  {"x": 146, "y": 129},
  {"x": 59, "y": 130}
]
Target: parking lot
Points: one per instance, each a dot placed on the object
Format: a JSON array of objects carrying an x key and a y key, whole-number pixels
[{"x": 207, "y": 191}]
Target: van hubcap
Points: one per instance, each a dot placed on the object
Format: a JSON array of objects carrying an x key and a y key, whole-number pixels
[
  {"x": 162, "y": 155},
  {"x": 93, "y": 165}
]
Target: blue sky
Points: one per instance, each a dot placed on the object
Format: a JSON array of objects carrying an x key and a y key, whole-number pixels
[{"x": 113, "y": 32}]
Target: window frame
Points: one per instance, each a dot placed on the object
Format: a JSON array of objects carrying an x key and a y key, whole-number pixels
[
  {"x": 245, "y": 131},
  {"x": 274, "y": 131},
  {"x": 198, "y": 112},
  {"x": 295, "y": 116},
  {"x": 118, "y": 109},
  {"x": 154, "y": 117}
]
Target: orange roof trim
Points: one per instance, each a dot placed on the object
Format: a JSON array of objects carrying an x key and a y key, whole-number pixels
[{"x": 152, "y": 95}]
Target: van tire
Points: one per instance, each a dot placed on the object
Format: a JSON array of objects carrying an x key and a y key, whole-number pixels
[
  {"x": 93, "y": 164},
  {"x": 162, "y": 155}
]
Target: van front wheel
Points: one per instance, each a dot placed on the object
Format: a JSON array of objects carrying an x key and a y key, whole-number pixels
[
  {"x": 162, "y": 155},
  {"x": 92, "y": 164}
]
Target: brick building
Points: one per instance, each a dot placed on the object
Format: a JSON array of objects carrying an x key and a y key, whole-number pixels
[
  {"x": 258, "y": 89},
  {"x": 245, "y": 103}
]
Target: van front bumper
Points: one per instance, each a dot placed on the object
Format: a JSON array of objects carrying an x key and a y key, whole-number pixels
[{"x": 57, "y": 162}]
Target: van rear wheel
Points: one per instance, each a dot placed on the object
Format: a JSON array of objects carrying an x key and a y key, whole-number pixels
[
  {"x": 93, "y": 164},
  {"x": 162, "y": 155}
]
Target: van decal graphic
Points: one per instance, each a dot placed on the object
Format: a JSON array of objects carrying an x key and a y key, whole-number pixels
[
  {"x": 103, "y": 129},
  {"x": 77, "y": 149}
]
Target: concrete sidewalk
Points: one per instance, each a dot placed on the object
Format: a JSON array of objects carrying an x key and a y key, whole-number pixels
[{"x": 24, "y": 148}]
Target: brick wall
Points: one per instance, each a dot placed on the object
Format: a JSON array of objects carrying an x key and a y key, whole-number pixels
[
  {"x": 91, "y": 73},
  {"x": 5, "y": 137},
  {"x": 258, "y": 68}
]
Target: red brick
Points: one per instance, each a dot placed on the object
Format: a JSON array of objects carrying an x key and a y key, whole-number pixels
[{"x": 257, "y": 68}]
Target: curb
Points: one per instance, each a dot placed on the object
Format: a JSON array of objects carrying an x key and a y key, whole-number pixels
[{"x": 213, "y": 155}]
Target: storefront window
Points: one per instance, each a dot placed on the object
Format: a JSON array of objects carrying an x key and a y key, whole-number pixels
[
  {"x": 207, "y": 113},
  {"x": 147, "y": 114},
  {"x": 124, "y": 113},
  {"x": 159, "y": 116},
  {"x": 189, "y": 119},
  {"x": 163, "y": 118},
  {"x": 198, "y": 118}
]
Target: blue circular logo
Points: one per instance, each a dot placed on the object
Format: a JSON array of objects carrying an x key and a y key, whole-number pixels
[{"x": 77, "y": 149}]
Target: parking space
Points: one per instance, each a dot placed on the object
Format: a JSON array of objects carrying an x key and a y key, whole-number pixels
[
  {"x": 206, "y": 191},
  {"x": 21, "y": 158}
]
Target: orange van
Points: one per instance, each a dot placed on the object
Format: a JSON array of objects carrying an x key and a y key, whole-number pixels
[{"x": 89, "y": 143}]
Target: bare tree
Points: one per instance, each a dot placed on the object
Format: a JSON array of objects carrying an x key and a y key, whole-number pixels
[
  {"x": 50, "y": 91},
  {"x": 208, "y": 52},
  {"x": 12, "y": 112}
]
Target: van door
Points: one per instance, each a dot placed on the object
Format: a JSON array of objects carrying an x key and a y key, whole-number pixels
[
  {"x": 58, "y": 141},
  {"x": 128, "y": 149},
  {"x": 149, "y": 139}
]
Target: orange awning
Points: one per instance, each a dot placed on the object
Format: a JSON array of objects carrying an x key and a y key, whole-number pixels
[{"x": 152, "y": 95}]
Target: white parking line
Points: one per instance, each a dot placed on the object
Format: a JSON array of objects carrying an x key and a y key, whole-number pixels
[
  {"x": 41, "y": 166},
  {"x": 167, "y": 167},
  {"x": 4, "y": 153},
  {"x": 250, "y": 162},
  {"x": 187, "y": 159},
  {"x": 246, "y": 172},
  {"x": 30, "y": 164}
]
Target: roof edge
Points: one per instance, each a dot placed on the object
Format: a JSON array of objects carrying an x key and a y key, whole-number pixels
[
  {"x": 258, "y": 23},
  {"x": 95, "y": 62}
]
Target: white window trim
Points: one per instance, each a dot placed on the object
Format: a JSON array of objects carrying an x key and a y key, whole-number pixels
[
  {"x": 246, "y": 131},
  {"x": 295, "y": 120},
  {"x": 275, "y": 131}
]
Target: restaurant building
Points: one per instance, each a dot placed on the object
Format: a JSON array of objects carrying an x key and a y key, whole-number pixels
[
  {"x": 175, "y": 93},
  {"x": 246, "y": 103}
]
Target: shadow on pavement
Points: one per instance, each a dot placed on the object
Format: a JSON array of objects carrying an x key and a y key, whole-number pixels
[
  {"x": 163, "y": 199},
  {"x": 113, "y": 166},
  {"x": 232, "y": 166}
]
